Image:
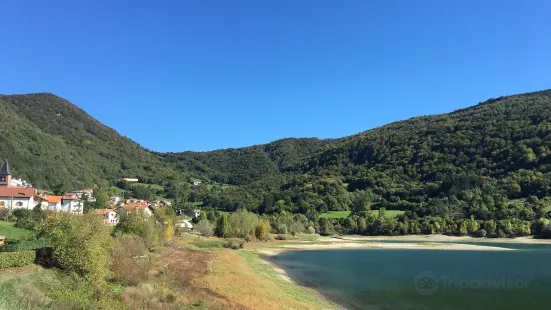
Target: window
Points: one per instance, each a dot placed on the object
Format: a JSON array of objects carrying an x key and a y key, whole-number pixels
[{"x": 19, "y": 204}]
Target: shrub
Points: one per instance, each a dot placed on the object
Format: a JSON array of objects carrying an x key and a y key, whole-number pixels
[
  {"x": 16, "y": 259},
  {"x": 234, "y": 245},
  {"x": 311, "y": 230},
  {"x": 282, "y": 229},
  {"x": 211, "y": 244},
  {"x": 82, "y": 243},
  {"x": 281, "y": 237},
  {"x": 242, "y": 223},
  {"x": 25, "y": 245},
  {"x": 480, "y": 233},
  {"x": 220, "y": 244},
  {"x": 262, "y": 230},
  {"x": 137, "y": 222},
  {"x": 204, "y": 228}
]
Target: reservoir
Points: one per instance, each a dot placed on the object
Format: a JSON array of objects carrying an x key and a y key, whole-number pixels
[{"x": 426, "y": 279}]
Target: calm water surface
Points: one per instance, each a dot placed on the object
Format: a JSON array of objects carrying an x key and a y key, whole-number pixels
[{"x": 427, "y": 279}]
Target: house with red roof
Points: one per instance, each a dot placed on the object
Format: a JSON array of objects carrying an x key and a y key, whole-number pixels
[
  {"x": 110, "y": 216},
  {"x": 14, "y": 197}
]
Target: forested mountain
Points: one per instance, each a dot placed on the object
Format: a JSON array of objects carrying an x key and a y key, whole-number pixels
[
  {"x": 49, "y": 141},
  {"x": 245, "y": 165},
  {"x": 488, "y": 162}
]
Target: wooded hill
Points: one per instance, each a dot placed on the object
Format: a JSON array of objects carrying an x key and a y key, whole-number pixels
[
  {"x": 49, "y": 141},
  {"x": 474, "y": 161}
]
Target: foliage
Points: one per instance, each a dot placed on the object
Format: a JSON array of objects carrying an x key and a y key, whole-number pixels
[
  {"x": 143, "y": 192},
  {"x": 204, "y": 228},
  {"x": 81, "y": 153},
  {"x": 24, "y": 245},
  {"x": 219, "y": 244},
  {"x": 138, "y": 222},
  {"x": 82, "y": 243},
  {"x": 222, "y": 227},
  {"x": 16, "y": 259},
  {"x": 453, "y": 173},
  {"x": 242, "y": 223},
  {"x": 262, "y": 230}
]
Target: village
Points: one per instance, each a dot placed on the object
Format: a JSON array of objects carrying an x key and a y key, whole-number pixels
[{"x": 19, "y": 194}]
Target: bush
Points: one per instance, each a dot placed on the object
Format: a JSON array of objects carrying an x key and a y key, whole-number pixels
[
  {"x": 311, "y": 230},
  {"x": 204, "y": 228},
  {"x": 82, "y": 243},
  {"x": 262, "y": 230},
  {"x": 281, "y": 237},
  {"x": 220, "y": 244},
  {"x": 25, "y": 245},
  {"x": 16, "y": 259},
  {"x": 282, "y": 229},
  {"x": 234, "y": 245},
  {"x": 137, "y": 222},
  {"x": 480, "y": 233},
  {"x": 210, "y": 244}
]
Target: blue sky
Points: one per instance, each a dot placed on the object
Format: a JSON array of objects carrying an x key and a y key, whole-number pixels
[{"x": 203, "y": 75}]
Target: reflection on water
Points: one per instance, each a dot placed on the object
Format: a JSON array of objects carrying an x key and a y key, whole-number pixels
[{"x": 427, "y": 279}]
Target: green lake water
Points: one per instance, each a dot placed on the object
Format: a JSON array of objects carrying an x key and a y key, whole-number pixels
[{"x": 426, "y": 279}]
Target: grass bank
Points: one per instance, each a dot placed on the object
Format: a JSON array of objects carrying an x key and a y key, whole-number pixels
[{"x": 7, "y": 230}]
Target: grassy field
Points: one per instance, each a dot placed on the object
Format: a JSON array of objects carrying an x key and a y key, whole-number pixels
[
  {"x": 152, "y": 186},
  {"x": 344, "y": 214},
  {"x": 10, "y": 232},
  {"x": 335, "y": 214},
  {"x": 392, "y": 213}
]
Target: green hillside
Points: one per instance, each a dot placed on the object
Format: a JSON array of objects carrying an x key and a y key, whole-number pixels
[
  {"x": 246, "y": 165},
  {"x": 48, "y": 140},
  {"x": 491, "y": 161}
]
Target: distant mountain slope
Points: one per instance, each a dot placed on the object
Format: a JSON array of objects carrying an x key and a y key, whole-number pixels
[
  {"x": 48, "y": 140},
  {"x": 246, "y": 165},
  {"x": 472, "y": 161}
]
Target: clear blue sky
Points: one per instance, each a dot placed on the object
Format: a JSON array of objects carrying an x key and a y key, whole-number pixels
[{"x": 202, "y": 75}]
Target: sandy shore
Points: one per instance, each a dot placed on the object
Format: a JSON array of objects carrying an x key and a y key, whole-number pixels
[
  {"x": 432, "y": 242},
  {"x": 441, "y": 238}
]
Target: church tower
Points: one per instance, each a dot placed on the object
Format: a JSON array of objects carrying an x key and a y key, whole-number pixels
[{"x": 5, "y": 175}]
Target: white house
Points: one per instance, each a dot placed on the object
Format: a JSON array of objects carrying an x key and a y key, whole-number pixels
[
  {"x": 17, "y": 198},
  {"x": 14, "y": 197},
  {"x": 115, "y": 200},
  {"x": 52, "y": 203},
  {"x": 131, "y": 179},
  {"x": 71, "y": 203},
  {"x": 110, "y": 216}
]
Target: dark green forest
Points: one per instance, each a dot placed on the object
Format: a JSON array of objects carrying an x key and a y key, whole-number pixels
[{"x": 484, "y": 170}]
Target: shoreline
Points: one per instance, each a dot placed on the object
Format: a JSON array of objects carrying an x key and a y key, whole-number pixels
[
  {"x": 431, "y": 242},
  {"x": 285, "y": 276}
]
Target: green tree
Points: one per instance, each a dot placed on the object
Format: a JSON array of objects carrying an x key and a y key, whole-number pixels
[
  {"x": 138, "y": 222},
  {"x": 82, "y": 243},
  {"x": 222, "y": 226}
]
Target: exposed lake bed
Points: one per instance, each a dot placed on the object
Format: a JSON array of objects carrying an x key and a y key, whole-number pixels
[{"x": 419, "y": 272}]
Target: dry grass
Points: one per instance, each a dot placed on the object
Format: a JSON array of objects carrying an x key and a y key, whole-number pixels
[
  {"x": 130, "y": 264},
  {"x": 235, "y": 285}
]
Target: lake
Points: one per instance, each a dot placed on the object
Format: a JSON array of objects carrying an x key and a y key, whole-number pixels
[{"x": 426, "y": 279}]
